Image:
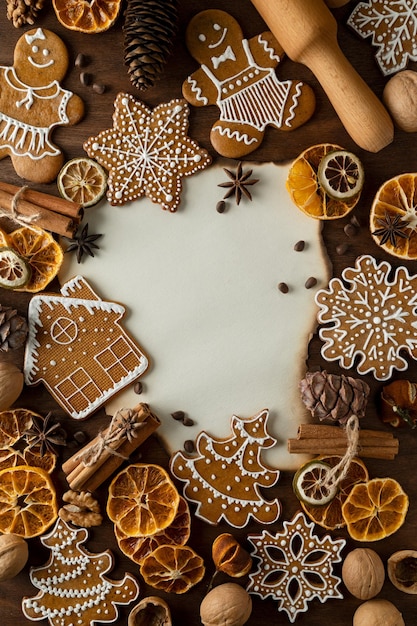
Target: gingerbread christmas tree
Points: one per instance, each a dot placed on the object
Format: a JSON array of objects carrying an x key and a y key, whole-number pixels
[
  {"x": 73, "y": 589},
  {"x": 224, "y": 479}
]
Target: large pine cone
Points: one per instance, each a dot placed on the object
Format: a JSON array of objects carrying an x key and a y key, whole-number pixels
[
  {"x": 13, "y": 329},
  {"x": 334, "y": 398},
  {"x": 149, "y": 30}
]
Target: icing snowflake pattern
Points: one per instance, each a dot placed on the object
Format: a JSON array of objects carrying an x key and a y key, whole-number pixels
[
  {"x": 372, "y": 320},
  {"x": 147, "y": 152},
  {"x": 295, "y": 566},
  {"x": 393, "y": 26}
]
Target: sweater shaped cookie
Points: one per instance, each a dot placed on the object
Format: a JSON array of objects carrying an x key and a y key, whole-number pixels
[{"x": 238, "y": 75}]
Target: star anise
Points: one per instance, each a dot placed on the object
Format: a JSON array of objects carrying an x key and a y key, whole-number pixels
[
  {"x": 45, "y": 435},
  {"x": 390, "y": 229},
  {"x": 239, "y": 181},
  {"x": 83, "y": 243}
]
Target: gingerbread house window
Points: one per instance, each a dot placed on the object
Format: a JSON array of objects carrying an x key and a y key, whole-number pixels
[
  {"x": 118, "y": 359},
  {"x": 78, "y": 389},
  {"x": 64, "y": 330}
]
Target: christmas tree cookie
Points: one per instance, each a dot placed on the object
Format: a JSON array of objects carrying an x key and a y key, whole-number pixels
[
  {"x": 224, "y": 479},
  {"x": 73, "y": 588}
]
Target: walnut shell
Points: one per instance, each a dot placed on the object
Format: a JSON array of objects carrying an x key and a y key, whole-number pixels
[
  {"x": 377, "y": 612},
  {"x": 228, "y": 604},
  {"x": 11, "y": 384},
  {"x": 150, "y": 611},
  {"x": 402, "y": 570},
  {"x": 363, "y": 573},
  {"x": 229, "y": 556},
  {"x": 13, "y": 556},
  {"x": 400, "y": 98}
]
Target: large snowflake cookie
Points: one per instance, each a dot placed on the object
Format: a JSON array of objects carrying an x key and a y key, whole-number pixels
[
  {"x": 372, "y": 317},
  {"x": 73, "y": 588},
  {"x": 295, "y": 566},
  {"x": 393, "y": 27},
  {"x": 147, "y": 152},
  {"x": 224, "y": 479}
]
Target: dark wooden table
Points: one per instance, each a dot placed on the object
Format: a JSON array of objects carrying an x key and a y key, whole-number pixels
[{"x": 104, "y": 53}]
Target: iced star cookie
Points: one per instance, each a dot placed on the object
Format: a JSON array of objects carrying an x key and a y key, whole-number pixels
[
  {"x": 73, "y": 588},
  {"x": 147, "y": 152},
  {"x": 238, "y": 75},
  {"x": 32, "y": 103},
  {"x": 224, "y": 479}
]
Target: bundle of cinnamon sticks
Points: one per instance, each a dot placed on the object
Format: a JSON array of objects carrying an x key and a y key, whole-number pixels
[
  {"x": 51, "y": 213},
  {"x": 332, "y": 440}
]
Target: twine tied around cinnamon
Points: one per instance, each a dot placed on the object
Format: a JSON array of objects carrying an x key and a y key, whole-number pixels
[
  {"x": 14, "y": 214},
  {"x": 336, "y": 474},
  {"x": 124, "y": 425}
]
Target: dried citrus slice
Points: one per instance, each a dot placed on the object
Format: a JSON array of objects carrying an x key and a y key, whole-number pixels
[
  {"x": 341, "y": 174},
  {"x": 28, "y": 503},
  {"x": 14, "y": 270},
  {"x": 174, "y": 569},
  {"x": 40, "y": 250},
  {"x": 393, "y": 217},
  {"x": 306, "y": 191},
  {"x": 177, "y": 533},
  {"x": 87, "y": 16},
  {"x": 308, "y": 483},
  {"x": 375, "y": 509},
  {"x": 83, "y": 181},
  {"x": 330, "y": 515},
  {"x": 142, "y": 500},
  {"x": 4, "y": 238}
]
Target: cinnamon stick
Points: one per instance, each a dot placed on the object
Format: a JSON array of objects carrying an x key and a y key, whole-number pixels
[
  {"x": 88, "y": 477},
  {"x": 46, "y": 201}
]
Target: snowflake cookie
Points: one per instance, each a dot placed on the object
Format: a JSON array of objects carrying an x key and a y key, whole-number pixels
[
  {"x": 147, "y": 152},
  {"x": 73, "y": 588},
  {"x": 295, "y": 566},
  {"x": 372, "y": 320},
  {"x": 224, "y": 479},
  {"x": 393, "y": 26}
]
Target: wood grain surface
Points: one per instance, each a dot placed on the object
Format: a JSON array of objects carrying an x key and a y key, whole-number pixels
[{"x": 104, "y": 53}]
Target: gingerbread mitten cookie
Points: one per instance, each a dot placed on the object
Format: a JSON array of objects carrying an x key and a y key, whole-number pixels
[
  {"x": 32, "y": 103},
  {"x": 238, "y": 75}
]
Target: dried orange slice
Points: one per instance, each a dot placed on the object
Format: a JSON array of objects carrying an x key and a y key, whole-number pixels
[
  {"x": 305, "y": 189},
  {"x": 4, "y": 238},
  {"x": 40, "y": 250},
  {"x": 177, "y": 533},
  {"x": 142, "y": 500},
  {"x": 174, "y": 569},
  {"x": 375, "y": 509},
  {"x": 330, "y": 515},
  {"x": 393, "y": 217},
  {"x": 83, "y": 181},
  {"x": 87, "y": 16},
  {"x": 28, "y": 505}
]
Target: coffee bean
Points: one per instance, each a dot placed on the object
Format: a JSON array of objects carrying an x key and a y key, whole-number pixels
[
  {"x": 310, "y": 282},
  {"x": 283, "y": 287}
]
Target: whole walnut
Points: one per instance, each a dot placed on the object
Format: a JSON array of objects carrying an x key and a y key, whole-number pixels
[
  {"x": 226, "y": 605},
  {"x": 363, "y": 573},
  {"x": 400, "y": 98},
  {"x": 13, "y": 556},
  {"x": 377, "y": 612}
]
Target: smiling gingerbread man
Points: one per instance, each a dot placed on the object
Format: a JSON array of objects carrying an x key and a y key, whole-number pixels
[
  {"x": 32, "y": 103},
  {"x": 239, "y": 76}
]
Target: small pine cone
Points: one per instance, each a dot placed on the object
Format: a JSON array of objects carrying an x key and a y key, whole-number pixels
[
  {"x": 22, "y": 12},
  {"x": 149, "y": 30},
  {"x": 13, "y": 329},
  {"x": 334, "y": 398}
]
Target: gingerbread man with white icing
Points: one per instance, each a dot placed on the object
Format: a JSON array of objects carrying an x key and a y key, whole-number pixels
[
  {"x": 238, "y": 75},
  {"x": 32, "y": 103}
]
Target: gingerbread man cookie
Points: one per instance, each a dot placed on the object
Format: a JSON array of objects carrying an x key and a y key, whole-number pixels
[
  {"x": 32, "y": 103},
  {"x": 238, "y": 75}
]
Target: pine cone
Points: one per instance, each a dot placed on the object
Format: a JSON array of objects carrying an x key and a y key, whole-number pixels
[
  {"x": 22, "y": 12},
  {"x": 149, "y": 29},
  {"x": 13, "y": 329},
  {"x": 332, "y": 397}
]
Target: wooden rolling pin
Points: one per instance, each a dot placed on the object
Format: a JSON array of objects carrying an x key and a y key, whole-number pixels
[{"x": 307, "y": 31}]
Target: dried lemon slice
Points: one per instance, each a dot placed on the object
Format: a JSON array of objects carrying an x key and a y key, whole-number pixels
[
  {"x": 82, "y": 180},
  {"x": 341, "y": 174},
  {"x": 14, "y": 271},
  {"x": 309, "y": 484}
]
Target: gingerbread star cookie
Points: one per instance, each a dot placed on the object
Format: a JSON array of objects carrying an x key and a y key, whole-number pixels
[
  {"x": 238, "y": 75},
  {"x": 73, "y": 588},
  {"x": 295, "y": 566},
  {"x": 225, "y": 478},
  {"x": 147, "y": 152}
]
